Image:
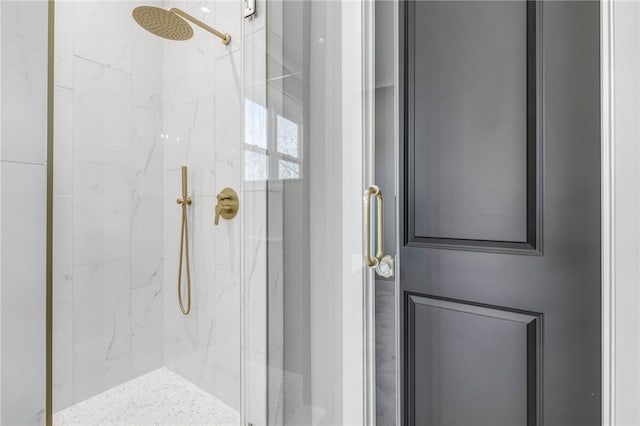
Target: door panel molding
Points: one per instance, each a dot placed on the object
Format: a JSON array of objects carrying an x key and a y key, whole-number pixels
[
  {"x": 450, "y": 268},
  {"x": 532, "y": 243},
  {"x": 443, "y": 328}
]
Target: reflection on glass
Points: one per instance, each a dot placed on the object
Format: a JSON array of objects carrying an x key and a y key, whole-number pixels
[
  {"x": 288, "y": 170},
  {"x": 255, "y": 125},
  {"x": 287, "y": 137},
  {"x": 256, "y": 166},
  {"x": 266, "y": 156}
]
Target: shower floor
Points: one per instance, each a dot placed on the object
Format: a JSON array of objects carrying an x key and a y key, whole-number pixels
[{"x": 159, "y": 398}]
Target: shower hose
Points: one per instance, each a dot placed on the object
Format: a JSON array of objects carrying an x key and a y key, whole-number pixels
[{"x": 184, "y": 246}]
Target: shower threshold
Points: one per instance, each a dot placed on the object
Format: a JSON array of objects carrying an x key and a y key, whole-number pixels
[{"x": 160, "y": 398}]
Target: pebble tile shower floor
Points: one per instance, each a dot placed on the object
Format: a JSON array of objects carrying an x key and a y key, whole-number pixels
[{"x": 159, "y": 398}]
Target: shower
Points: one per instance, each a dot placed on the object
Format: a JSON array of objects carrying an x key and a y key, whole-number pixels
[
  {"x": 172, "y": 24},
  {"x": 184, "y": 245}
]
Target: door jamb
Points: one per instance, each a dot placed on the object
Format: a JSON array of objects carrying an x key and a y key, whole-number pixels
[{"x": 620, "y": 107}]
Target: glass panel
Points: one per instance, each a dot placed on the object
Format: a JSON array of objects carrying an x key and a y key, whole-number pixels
[
  {"x": 287, "y": 137},
  {"x": 255, "y": 118},
  {"x": 302, "y": 229},
  {"x": 288, "y": 170},
  {"x": 133, "y": 343},
  {"x": 256, "y": 166}
]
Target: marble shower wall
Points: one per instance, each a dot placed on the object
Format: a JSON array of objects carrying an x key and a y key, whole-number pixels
[
  {"x": 202, "y": 116},
  {"x": 131, "y": 109},
  {"x": 108, "y": 224}
]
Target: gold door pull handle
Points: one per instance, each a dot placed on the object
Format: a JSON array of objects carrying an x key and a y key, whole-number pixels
[
  {"x": 369, "y": 193},
  {"x": 227, "y": 205},
  {"x": 382, "y": 264}
]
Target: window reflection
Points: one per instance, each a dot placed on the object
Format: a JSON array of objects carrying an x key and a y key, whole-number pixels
[
  {"x": 266, "y": 157},
  {"x": 287, "y": 137}
]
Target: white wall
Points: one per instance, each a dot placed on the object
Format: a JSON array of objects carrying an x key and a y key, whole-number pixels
[{"x": 23, "y": 52}]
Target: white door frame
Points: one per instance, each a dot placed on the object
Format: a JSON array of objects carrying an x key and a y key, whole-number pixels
[
  {"x": 620, "y": 78},
  {"x": 358, "y": 299}
]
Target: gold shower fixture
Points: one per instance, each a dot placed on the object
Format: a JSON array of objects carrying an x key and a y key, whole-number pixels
[
  {"x": 227, "y": 205},
  {"x": 184, "y": 245},
  {"x": 172, "y": 24}
]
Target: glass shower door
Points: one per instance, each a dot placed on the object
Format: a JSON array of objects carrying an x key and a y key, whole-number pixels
[{"x": 307, "y": 296}]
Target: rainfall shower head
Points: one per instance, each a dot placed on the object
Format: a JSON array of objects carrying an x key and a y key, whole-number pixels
[
  {"x": 162, "y": 23},
  {"x": 171, "y": 24}
]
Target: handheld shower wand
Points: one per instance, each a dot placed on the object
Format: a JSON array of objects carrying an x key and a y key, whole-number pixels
[{"x": 184, "y": 245}]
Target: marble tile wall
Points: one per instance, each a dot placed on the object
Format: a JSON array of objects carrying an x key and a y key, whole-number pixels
[
  {"x": 23, "y": 126},
  {"x": 131, "y": 109},
  {"x": 108, "y": 224},
  {"x": 202, "y": 117}
]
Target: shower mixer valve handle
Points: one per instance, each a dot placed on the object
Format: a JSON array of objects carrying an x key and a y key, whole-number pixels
[{"x": 227, "y": 205}]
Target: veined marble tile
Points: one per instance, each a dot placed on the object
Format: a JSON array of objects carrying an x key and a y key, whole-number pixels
[
  {"x": 171, "y": 312},
  {"x": 146, "y": 242},
  {"x": 201, "y": 59},
  {"x": 62, "y": 355},
  {"x": 276, "y": 392},
  {"x": 227, "y": 344},
  {"x": 100, "y": 21},
  {"x": 276, "y": 271},
  {"x": 174, "y": 57},
  {"x": 64, "y": 42},
  {"x": 102, "y": 327},
  {"x": 227, "y": 315},
  {"x": 176, "y": 122},
  {"x": 62, "y": 248},
  {"x": 63, "y": 141},
  {"x": 101, "y": 113},
  {"x": 62, "y": 300},
  {"x": 184, "y": 334},
  {"x": 172, "y": 213},
  {"x": 146, "y": 66},
  {"x": 201, "y": 149},
  {"x": 228, "y": 107},
  {"x": 228, "y": 17},
  {"x": 256, "y": 381},
  {"x": 160, "y": 398},
  {"x": 228, "y": 388},
  {"x": 147, "y": 305},
  {"x": 101, "y": 213},
  {"x": 255, "y": 67},
  {"x": 145, "y": 158},
  {"x": 255, "y": 271},
  {"x": 203, "y": 253}
]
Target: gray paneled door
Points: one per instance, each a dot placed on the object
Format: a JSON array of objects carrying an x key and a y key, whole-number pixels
[{"x": 500, "y": 213}]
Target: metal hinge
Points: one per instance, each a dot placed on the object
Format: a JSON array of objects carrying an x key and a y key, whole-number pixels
[{"x": 250, "y": 10}]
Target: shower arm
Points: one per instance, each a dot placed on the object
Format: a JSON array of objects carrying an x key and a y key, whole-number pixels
[{"x": 226, "y": 38}]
